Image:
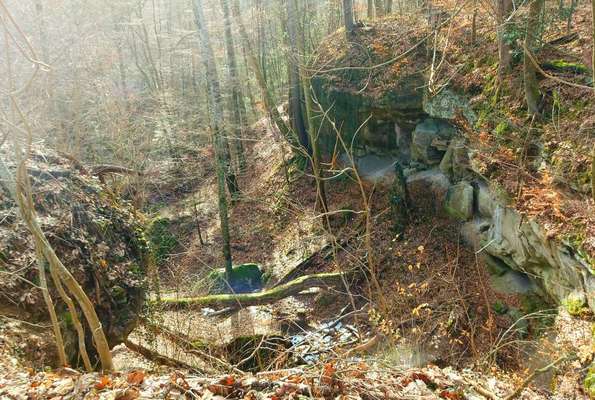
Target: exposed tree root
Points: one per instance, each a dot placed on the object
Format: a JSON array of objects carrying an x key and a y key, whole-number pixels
[
  {"x": 159, "y": 358},
  {"x": 260, "y": 298}
]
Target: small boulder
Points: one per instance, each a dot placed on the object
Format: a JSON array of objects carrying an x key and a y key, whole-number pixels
[
  {"x": 576, "y": 303},
  {"x": 447, "y": 105},
  {"x": 455, "y": 162},
  {"x": 459, "y": 201},
  {"x": 430, "y": 140},
  {"x": 245, "y": 278}
]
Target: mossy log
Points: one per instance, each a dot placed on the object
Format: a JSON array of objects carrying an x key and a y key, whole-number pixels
[
  {"x": 291, "y": 288},
  {"x": 565, "y": 66}
]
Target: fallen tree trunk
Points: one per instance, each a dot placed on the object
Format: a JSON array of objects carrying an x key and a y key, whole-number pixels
[{"x": 335, "y": 279}]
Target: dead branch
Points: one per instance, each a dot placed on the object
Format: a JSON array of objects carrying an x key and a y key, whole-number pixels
[
  {"x": 183, "y": 342},
  {"x": 102, "y": 170},
  {"x": 565, "y": 39},
  {"x": 552, "y": 77},
  {"x": 532, "y": 376},
  {"x": 366, "y": 346},
  {"x": 481, "y": 390},
  {"x": 159, "y": 358}
]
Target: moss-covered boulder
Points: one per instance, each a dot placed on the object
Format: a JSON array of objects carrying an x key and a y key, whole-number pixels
[
  {"x": 245, "y": 278},
  {"x": 98, "y": 237}
]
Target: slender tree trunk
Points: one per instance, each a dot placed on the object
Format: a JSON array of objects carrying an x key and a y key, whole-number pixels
[
  {"x": 388, "y": 7},
  {"x": 370, "y": 9},
  {"x": 348, "y": 16},
  {"x": 310, "y": 126},
  {"x": 249, "y": 91},
  {"x": 296, "y": 115},
  {"x": 238, "y": 107},
  {"x": 267, "y": 96},
  {"x": 379, "y": 8},
  {"x": 75, "y": 320},
  {"x": 503, "y": 12},
  {"x": 334, "y": 15},
  {"x": 216, "y": 111},
  {"x": 50, "y": 305},
  {"x": 473, "y": 23},
  {"x": 532, "y": 94},
  {"x": 120, "y": 32},
  {"x": 261, "y": 38}
]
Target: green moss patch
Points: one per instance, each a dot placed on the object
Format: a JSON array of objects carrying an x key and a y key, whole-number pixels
[
  {"x": 590, "y": 382},
  {"x": 162, "y": 241}
]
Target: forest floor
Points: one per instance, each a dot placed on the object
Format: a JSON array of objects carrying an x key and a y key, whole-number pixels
[{"x": 433, "y": 333}]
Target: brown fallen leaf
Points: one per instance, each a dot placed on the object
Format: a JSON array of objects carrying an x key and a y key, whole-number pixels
[
  {"x": 220, "y": 390},
  {"x": 135, "y": 377},
  {"x": 227, "y": 380},
  {"x": 328, "y": 374},
  {"x": 445, "y": 394},
  {"x": 103, "y": 383}
]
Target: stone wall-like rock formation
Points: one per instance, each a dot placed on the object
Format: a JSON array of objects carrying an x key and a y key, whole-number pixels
[{"x": 387, "y": 115}]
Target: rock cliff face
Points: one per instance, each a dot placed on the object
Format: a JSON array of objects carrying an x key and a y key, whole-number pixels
[
  {"x": 403, "y": 122},
  {"x": 98, "y": 237}
]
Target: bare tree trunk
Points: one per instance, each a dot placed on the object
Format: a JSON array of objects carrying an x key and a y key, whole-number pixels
[
  {"x": 50, "y": 305},
  {"x": 370, "y": 9},
  {"x": 75, "y": 320},
  {"x": 216, "y": 110},
  {"x": 593, "y": 49},
  {"x": 305, "y": 79},
  {"x": 379, "y": 8},
  {"x": 388, "y": 7},
  {"x": 334, "y": 15},
  {"x": 45, "y": 51},
  {"x": 504, "y": 9},
  {"x": 474, "y": 23},
  {"x": 532, "y": 94},
  {"x": 238, "y": 107},
  {"x": 296, "y": 115},
  {"x": 120, "y": 30},
  {"x": 348, "y": 15}
]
